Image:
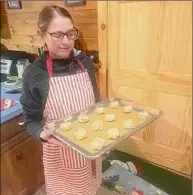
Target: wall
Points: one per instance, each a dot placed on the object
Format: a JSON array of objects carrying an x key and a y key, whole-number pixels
[
  {"x": 5, "y": 32},
  {"x": 23, "y": 25}
]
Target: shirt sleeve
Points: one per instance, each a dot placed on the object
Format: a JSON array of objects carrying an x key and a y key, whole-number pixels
[
  {"x": 92, "y": 73},
  {"x": 31, "y": 102}
]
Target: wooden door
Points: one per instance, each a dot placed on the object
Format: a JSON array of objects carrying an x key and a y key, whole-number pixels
[{"x": 149, "y": 61}]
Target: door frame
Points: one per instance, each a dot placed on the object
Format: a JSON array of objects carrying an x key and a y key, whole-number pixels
[{"x": 102, "y": 48}]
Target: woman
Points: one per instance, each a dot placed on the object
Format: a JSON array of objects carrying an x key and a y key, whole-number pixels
[{"x": 60, "y": 83}]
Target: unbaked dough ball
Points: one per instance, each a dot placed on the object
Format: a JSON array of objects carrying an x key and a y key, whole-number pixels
[
  {"x": 114, "y": 104},
  {"x": 97, "y": 125},
  {"x": 80, "y": 134},
  {"x": 98, "y": 143},
  {"x": 83, "y": 118},
  {"x": 127, "y": 109},
  {"x": 143, "y": 115},
  {"x": 113, "y": 133},
  {"x": 110, "y": 117},
  {"x": 66, "y": 126},
  {"x": 100, "y": 110},
  {"x": 127, "y": 124}
]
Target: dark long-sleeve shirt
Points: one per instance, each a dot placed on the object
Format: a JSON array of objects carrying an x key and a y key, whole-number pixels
[{"x": 35, "y": 88}]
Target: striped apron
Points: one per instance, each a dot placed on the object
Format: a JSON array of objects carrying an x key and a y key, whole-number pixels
[{"x": 67, "y": 172}]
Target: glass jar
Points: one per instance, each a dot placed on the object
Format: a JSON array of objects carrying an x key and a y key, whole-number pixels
[{"x": 21, "y": 66}]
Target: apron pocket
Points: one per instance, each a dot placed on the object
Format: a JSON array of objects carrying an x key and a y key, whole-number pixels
[{"x": 73, "y": 159}]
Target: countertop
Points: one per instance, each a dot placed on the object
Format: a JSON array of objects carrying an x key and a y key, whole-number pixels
[{"x": 13, "y": 111}]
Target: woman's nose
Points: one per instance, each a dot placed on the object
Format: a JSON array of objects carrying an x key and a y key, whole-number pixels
[{"x": 65, "y": 39}]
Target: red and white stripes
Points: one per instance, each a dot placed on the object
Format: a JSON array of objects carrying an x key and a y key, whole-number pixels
[
  {"x": 67, "y": 172},
  {"x": 69, "y": 95}
]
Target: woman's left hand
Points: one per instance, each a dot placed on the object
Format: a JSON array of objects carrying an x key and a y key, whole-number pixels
[
  {"x": 47, "y": 134},
  {"x": 55, "y": 141}
]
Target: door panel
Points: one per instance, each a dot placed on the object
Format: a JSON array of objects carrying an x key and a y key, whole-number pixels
[{"x": 150, "y": 62}]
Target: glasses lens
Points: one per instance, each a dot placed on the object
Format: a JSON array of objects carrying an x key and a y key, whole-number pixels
[
  {"x": 57, "y": 36},
  {"x": 72, "y": 34}
]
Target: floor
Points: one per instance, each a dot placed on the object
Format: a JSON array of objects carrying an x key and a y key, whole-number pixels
[
  {"x": 169, "y": 182},
  {"x": 103, "y": 191}
]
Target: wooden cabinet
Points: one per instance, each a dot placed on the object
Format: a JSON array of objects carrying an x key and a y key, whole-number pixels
[
  {"x": 5, "y": 32},
  {"x": 21, "y": 161},
  {"x": 148, "y": 53}
]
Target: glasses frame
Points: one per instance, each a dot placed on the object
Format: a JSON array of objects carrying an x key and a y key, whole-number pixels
[{"x": 65, "y": 34}]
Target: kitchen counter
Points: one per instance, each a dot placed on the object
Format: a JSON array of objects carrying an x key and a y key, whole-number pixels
[
  {"x": 21, "y": 154},
  {"x": 13, "y": 111}
]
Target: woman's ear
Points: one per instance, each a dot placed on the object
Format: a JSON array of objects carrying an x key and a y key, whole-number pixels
[
  {"x": 40, "y": 33},
  {"x": 42, "y": 41}
]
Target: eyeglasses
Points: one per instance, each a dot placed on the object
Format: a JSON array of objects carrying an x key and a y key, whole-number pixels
[{"x": 58, "y": 36}]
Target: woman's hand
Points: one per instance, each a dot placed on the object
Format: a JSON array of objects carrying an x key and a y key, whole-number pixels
[
  {"x": 55, "y": 141},
  {"x": 48, "y": 136}
]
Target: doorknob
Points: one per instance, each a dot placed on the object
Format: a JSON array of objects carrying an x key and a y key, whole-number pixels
[
  {"x": 103, "y": 26},
  {"x": 19, "y": 157}
]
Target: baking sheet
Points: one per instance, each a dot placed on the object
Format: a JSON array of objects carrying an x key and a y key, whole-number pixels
[{"x": 84, "y": 146}]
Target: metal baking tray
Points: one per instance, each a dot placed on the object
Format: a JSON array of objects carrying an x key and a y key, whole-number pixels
[{"x": 136, "y": 108}]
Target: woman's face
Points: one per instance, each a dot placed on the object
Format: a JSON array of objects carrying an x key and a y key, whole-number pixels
[{"x": 60, "y": 37}]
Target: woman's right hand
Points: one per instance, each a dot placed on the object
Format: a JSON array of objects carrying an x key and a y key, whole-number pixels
[
  {"x": 48, "y": 136},
  {"x": 48, "y": 131}
]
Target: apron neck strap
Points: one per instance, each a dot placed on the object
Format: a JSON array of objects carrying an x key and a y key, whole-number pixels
[
  {"x": 79, "y": 63},
  {"x": 49, "y": 64}
]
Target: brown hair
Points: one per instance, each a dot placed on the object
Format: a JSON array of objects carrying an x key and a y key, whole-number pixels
[
  {"x": 48, "y": 13},
  {"x": 46, "y": 16}
]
